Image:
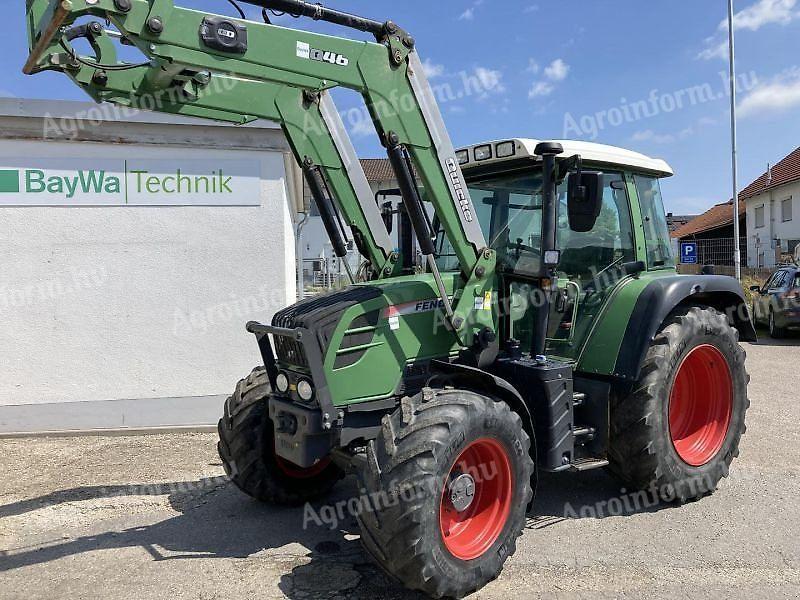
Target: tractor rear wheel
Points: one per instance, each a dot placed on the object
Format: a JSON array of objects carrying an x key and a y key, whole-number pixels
[
  {"x": 447, "y": 484},
  {"x": 247, "y": 449},
  {"x": 678, "y": 431}
]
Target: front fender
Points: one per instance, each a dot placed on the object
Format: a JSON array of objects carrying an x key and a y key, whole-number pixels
[{"x": 655, "y": 298}]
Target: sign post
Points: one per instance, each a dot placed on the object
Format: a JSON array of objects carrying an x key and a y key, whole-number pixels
[{"x": 689, "y": 253}]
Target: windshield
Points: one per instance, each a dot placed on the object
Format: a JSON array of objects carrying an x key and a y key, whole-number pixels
[{"x": 509, "y": 209}]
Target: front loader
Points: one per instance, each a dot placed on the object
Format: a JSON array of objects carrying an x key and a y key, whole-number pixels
[{"x": 549, "y": 331}]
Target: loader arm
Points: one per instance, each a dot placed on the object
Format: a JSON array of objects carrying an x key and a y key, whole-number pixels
[
  {"x": 310, "y": 122},
  {"x": 387, "y": 73}
]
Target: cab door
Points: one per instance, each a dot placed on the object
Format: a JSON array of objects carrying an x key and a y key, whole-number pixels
[{"x": 589, "y": 267}]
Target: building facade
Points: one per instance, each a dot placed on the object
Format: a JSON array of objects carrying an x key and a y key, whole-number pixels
[
  {"x": 135, "y": 249},
  {"x": 773, "y": 213}
]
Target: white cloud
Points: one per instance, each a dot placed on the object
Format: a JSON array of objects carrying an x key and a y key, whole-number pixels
[
  {"x": 716, "y": 51},
  {"x": 432, "y": 70},
  {"x": 779, "y": 95},
  {"x": 467, "y": 15},
  {"x": 541, "y": 88},
  {"x": 648, "y": 135},
  {"x": 533, "y": 66},
  {"x": 491, "y": 81},
  {"x": 752, "y": 18},
  {"x": 532, "y": 8},
  {"x": 557, "y": 70},
  {"x": 763, "y": 12}
]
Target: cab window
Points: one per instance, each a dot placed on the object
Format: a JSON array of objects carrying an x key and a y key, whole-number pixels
[
  {"x": 609, "y": 243},
  {"x": 656, "y": 231}
]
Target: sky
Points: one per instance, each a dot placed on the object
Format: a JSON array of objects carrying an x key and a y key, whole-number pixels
[{"x": 648, "y": 76}]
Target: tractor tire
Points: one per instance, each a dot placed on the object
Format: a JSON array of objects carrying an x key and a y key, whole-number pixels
[
  {"x": 247, "y": 449},
  {"x": 678, "y": 431},
  {"x": 775, "y": 332},
  {"x": 447, "y": 483}
]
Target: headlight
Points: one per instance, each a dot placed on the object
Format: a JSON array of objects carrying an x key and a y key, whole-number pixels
[
  {"x": 282, "y": 383},
  {"x": 506, "y": 149},
  {"x": 463, "y": 157},
  {"x": 305, "y": 390},
  {"x": 483, "y": 153}
]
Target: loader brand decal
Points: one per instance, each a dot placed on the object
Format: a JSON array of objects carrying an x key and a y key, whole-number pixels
[
  {"x": 305, "y": 50},
  {"x": 464, "y": 201},
  {"x": 135, "y": 182}
]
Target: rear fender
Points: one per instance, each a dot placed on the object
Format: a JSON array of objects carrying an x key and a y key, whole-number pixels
[{"x": 661, "y": 297}]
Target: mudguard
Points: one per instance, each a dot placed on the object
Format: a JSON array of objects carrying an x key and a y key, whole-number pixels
[{"x": 661, "y": 296}]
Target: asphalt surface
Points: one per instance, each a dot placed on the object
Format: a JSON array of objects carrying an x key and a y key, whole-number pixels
[{"x": 153, "y": 517}]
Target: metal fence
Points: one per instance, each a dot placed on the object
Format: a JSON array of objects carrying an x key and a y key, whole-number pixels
[{"x": 718, "y": 254}]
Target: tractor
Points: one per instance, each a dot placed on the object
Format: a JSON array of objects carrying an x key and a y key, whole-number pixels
[{"x": 549, "y": 330}]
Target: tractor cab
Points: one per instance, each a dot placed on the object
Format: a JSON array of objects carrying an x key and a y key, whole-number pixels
[{"x": 506, "y": 183}]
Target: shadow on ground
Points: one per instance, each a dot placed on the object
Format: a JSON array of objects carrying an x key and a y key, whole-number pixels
[{"x": 217, "y": 521}]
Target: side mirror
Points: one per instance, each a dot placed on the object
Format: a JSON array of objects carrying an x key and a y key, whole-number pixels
[
  {"x": 584, "y": 200},
  {"x": 387, "y": 213},
  {"x": 755, "y": 288}
]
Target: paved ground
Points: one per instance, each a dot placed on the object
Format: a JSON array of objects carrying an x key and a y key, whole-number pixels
[{"x": 152, "y": 517}]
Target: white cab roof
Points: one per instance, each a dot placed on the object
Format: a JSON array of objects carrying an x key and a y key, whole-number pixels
[{"x": 591, "y": 152}]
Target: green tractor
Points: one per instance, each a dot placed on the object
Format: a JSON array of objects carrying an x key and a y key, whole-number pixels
[{"x": 549, "y": 331}]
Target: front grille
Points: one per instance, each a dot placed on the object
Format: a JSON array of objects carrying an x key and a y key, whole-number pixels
[
  {"x": 319, "y": 315},
  {"x": 290, "y": 351}
]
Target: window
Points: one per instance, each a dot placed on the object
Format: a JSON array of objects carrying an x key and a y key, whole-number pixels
[
  {"x": 786, "y": 210},
  {"x": 610, "y": 242},
  {"x": 759, "y": 216},
  {"x": 779, "y": 281},
  {"x": 656, "y": 232},
  {"x": 509, "y": 209},
  {"x": 796, "y": 282}
]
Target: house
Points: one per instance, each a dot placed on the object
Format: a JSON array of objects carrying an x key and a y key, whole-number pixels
[
  {"x": 773, "y": 213},
  {"x": 713, "y": 233},
  {"x": 675, "y": 222},
  {"x": 319, "y": 263}
]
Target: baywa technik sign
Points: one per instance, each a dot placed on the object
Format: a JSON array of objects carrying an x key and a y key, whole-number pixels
[{"x": 131, "y": 182}]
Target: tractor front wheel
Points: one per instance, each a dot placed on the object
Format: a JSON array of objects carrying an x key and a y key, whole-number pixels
[
  {"x": 447, "y": 484},
  {"x": 678, "y": 431},
  {"x": 247, "y": 449}
]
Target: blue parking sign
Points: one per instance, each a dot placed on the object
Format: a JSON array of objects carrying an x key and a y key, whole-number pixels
[{"x": 689, "y": 253}]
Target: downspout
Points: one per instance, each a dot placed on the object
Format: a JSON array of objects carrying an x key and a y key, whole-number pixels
[{"x": 301, "y": 284}]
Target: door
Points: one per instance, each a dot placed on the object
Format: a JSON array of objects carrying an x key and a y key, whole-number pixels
[{"x": 589, "y": 267}]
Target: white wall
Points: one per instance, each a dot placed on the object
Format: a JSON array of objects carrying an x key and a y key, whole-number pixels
[
  {"x": 760, "y": 240},
  {"x": 109, "y": 303}
]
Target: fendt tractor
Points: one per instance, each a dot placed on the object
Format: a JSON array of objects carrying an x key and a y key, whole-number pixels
[{"x": 547, "y": 330}]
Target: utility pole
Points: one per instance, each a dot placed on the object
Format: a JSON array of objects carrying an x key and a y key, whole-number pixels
[{"x": 737, "y": 252}]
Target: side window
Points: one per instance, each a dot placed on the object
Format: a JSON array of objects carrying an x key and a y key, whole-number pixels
[
  {"x": 656, "y": 231},
  {"x": 781, "y": 279},
  {"x": 610, "y": 242}
]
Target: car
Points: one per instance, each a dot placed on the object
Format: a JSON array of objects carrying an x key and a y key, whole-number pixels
[{"x": 777, "y": 302}]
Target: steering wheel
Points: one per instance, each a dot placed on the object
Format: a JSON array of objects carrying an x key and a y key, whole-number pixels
[{"x": 520, "y": 247}]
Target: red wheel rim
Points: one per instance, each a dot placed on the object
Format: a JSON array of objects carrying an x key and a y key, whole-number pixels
[
  {"x": 469, "y": 534},
  {"x": 700, "y": 405}
]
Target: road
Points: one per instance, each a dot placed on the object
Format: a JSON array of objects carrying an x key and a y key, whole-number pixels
[{"x": 153, "y": 517}]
